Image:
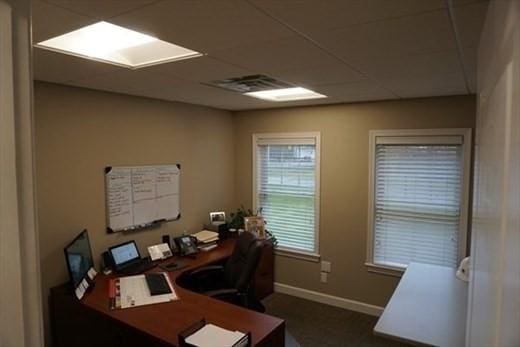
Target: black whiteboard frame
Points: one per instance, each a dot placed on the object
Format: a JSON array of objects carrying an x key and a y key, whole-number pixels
[{"x": 151, "y": 225}]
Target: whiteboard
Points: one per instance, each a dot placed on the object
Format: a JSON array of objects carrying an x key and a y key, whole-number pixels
[{"x": 140, "y": 196}]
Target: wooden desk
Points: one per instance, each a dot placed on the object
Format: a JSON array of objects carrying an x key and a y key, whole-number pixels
[
  {"x": 428, "y": 307},
  {"x": 89, "y": 322}
]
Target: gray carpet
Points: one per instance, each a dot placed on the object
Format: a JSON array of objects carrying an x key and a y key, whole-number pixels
[{"x": 317, "y": 325}]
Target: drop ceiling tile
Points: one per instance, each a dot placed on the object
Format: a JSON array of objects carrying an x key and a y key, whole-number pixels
[
  {"x": 407, "y": 45},
  {"x": 419, "y": 65},
  {"x": 49, "y": 21},
  {"x": 204, "y": 25},
  {"x": 101, "y": 9},
  {"x": 60, "y": 68},
  {"x": 126, "y": 81},
  {"x": 469, "y": 21},
  {"x": 283, "y": 54},
  {"x": 428, "y": 32},
  {"x": 356, "y": 91},
  {"x": 300, "y": 103},
  {"x": 414, "y": 87},
  {"x": 318, "y": 15},
  {"x": 196, "y": 93},
  {"x": 201, "y": 69},
  {"x": 317, "y": 75}
]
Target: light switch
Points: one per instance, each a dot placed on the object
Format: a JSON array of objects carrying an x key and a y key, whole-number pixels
[{"x": 325, "y": 266}]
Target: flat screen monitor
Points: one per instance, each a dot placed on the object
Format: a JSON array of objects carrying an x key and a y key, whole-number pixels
[
  {"x": 124, "y": 254},
  {"x": 78, "y": 256}
]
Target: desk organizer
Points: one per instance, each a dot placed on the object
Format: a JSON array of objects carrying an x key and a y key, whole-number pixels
[{"x": 183, "y": 335}]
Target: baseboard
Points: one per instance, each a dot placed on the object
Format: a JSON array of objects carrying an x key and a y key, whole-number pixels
[{"x": 328, "y": 299}]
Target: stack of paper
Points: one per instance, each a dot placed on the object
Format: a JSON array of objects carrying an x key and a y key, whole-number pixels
[
  {"x": 206, "y": 236},
  {"x": 134, "y": 291},
  {"x": 212, "y": 336}
]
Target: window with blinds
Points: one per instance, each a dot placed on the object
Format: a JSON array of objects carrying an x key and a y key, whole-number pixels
[
  {"x": 286, "y": 188},
  {"x": 418, "y": 195}
]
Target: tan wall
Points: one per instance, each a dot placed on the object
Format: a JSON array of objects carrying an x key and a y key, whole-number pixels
[
  {"x": 80, "y": 131},
  {"x": 344, "y": 181}
]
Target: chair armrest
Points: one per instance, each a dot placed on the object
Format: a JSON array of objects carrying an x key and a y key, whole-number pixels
[{"x": 207, "y": 270}]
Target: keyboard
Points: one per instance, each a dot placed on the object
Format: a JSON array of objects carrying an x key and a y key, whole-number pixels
[
  {"x": 157, "y": 284},
  {"x": 137, "y": 268}
]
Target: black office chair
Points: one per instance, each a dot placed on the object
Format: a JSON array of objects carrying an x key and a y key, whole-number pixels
[{"x": 232, "y": 282}]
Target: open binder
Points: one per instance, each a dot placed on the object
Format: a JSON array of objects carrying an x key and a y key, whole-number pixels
[{"x": 184, "y": 335}]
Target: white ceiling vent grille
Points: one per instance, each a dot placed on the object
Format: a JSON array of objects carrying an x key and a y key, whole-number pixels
[{"x": 252, "y": 83}]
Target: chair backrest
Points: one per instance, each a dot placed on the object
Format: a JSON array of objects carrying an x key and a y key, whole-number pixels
[{"x": 241, "y": 266}]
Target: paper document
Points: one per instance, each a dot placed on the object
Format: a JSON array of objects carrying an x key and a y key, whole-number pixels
[
  {"x": 213, "y": 336},
  {"x": 79, "y": 292},
  {"x": 92, "y": 273},
  {"x": 134, "y": 291},
  {"x": 206, "y": 236}
]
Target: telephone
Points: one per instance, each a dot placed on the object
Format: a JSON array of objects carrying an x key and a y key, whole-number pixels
[
  {"x": 160, "y": 251},
  {"x": 187, "y": 245}
]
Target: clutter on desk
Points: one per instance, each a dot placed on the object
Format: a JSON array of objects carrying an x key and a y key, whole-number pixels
[
  {"x": 133, "y": 291},
  {"x": 202, "y": 334},
  {"x": 217, "y": 218},
  {"x": 206, "y": 237},
  {"x": 174, "y": 266},
  {"x": 160, "y": 251}
]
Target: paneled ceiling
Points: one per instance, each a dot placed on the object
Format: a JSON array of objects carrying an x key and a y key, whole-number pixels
[{"x": 349, "y": 50}]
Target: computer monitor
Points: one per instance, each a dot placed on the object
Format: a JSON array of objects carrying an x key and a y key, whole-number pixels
[
  {"x": 124, "y": 254},
  {"x": 78, "y": 256}
]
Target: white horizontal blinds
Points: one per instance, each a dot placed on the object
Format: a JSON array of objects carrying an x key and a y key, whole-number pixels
[
  {"x": 417, "y": 203},
  {"x": 286, "y": 191}
]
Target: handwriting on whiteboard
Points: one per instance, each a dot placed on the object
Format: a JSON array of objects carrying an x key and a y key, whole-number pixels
[{"x": 141, "y": 195}]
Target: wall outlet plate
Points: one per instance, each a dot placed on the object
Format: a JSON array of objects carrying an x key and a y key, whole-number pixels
[
  {"x": 323, "y": 277},
  {"x": 325, "y": 266}
]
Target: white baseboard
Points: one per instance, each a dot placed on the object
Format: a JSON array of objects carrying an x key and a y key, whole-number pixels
[{"x": 328, "y": 299}]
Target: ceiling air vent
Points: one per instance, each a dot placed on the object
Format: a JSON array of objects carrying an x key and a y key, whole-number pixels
[{"x": 252, "y": 83}]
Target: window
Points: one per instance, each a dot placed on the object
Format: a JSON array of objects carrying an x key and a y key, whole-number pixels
[
  {"x": 286, "y": 188},
  {"x": 419, "y": 182}
]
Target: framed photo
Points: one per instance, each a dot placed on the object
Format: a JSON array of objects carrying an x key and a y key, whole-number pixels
[
  {"x": 217, "y": 218},
  {"x": 256, "y": 225}
]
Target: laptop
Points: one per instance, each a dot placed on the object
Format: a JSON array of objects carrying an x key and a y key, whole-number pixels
[{"x": 127, "y": 260}]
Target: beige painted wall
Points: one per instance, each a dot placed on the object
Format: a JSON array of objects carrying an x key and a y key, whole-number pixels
[
  {"x": 80, "y": 131},
  {"x": 344, "y": 181}
]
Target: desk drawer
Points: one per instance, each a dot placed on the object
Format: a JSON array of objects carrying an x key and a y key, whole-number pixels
[{"x": 264, "y": 276}]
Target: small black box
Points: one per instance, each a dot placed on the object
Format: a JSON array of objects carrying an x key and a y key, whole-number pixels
[{"x": 222, "y": 230}]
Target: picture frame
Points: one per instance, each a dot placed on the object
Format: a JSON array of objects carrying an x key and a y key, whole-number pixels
[
  {"x": 217, "y": 218},
  {"x": 255, "y": 225}
]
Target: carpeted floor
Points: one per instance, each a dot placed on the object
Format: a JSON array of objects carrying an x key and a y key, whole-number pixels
[{"x": 316, "y": 325}]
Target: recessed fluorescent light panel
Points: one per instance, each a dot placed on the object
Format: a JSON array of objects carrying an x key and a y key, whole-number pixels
[
  {"x": 116, "y": 45},
  {"x": 286, "y": 94}
]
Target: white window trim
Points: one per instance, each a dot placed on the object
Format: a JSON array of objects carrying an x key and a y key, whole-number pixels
[
  {"x": 434, "y": 134},
  {"x": 316, "y": 136}
]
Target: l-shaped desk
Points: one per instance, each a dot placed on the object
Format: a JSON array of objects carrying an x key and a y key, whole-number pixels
[{"x": 90, "y": 322}]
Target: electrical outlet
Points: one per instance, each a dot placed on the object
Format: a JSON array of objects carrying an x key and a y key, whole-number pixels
[
  {"x": 325, "y": 266},
  {"x": 323, "y": 278}
]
